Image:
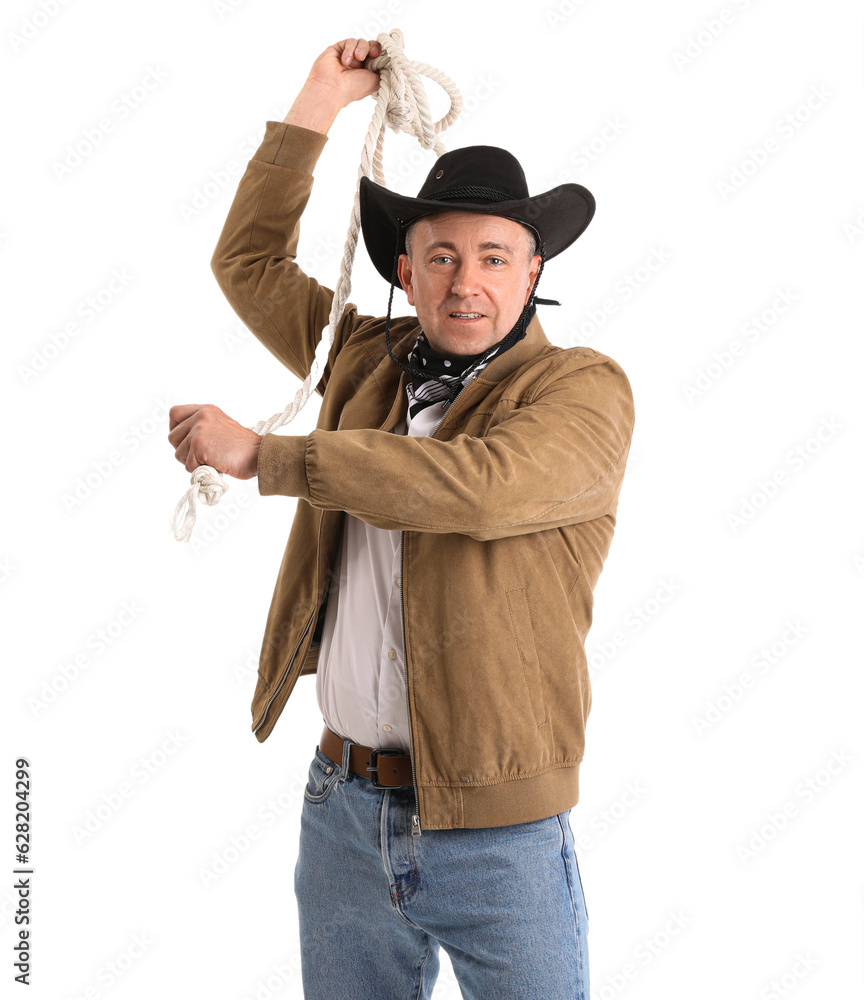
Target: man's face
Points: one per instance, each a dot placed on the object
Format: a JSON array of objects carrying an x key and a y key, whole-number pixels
[{"x": 464, "y": 262}]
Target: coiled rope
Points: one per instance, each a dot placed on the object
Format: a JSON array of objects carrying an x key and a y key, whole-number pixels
[{"x": 403, "y": 106}]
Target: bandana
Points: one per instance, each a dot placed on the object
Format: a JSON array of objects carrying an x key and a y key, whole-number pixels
[{"x": 453, "y": 369}]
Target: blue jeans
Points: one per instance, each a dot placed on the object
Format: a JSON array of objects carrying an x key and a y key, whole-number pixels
[{"x": 375, "y": 903}]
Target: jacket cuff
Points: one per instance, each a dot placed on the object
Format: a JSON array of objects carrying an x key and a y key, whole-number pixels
[
  {"x": 282, "y": 466},
  {"x": 291, "y": 146}
]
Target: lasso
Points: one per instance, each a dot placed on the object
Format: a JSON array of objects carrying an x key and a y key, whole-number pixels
[{"x": 402, "y": 104}]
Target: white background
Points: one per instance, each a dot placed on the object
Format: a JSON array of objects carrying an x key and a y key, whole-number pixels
[{"x": 709, "y": 868}]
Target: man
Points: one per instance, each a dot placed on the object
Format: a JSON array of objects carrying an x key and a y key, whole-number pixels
[{"x": 456, "y": 503}]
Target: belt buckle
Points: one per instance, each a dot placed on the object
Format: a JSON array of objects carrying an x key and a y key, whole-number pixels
[{"x": 372, "y": 767}]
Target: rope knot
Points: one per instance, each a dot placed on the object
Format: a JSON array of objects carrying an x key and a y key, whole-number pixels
[
  {"x": 399, "y": 115},
  {"x": 208, "y": 484},
  {"x": 208, "y": 487}
]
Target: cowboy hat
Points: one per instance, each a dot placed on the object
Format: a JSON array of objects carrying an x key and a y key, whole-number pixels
[{"x": 483, "y": 179}]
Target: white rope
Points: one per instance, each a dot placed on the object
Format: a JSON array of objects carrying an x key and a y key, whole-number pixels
[{"x": 402, "y": 105}]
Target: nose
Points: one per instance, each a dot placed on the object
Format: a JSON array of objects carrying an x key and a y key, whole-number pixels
[{"x": 465, "y": 280}]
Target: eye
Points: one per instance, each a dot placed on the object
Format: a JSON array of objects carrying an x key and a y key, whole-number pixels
[
  {"x": 442, "y": 256},
  {"x": 500, "y": 259}
]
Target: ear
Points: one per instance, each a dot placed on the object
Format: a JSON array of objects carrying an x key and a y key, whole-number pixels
[
  {"x": 533, "y": 271},
  {"x": 405, "y": 272}
]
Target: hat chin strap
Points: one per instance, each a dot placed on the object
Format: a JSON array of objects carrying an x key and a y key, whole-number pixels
[{"x": 454, "y": 390}]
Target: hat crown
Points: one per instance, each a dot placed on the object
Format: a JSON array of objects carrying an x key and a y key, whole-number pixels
[{"x": 475, "y": 174}]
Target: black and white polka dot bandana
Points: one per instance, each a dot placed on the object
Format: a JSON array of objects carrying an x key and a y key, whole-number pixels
[{"x": 452, "y": 368}]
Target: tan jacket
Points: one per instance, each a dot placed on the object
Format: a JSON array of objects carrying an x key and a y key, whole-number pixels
[{"x": 507, "y": 512}]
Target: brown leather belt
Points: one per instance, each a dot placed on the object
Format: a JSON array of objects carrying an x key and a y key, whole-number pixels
[{"x": 384, "y": 767}]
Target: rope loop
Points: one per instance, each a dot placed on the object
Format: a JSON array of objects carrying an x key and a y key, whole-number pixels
[{"x": 401, "y": 105}]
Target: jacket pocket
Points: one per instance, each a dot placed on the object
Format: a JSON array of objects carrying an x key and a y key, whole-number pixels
[{"x": 523, "y": 630}]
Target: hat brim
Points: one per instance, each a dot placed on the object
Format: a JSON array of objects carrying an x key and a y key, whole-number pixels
[{"x": 559, "y": 215}]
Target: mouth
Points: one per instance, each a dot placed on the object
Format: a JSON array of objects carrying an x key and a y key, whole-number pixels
[{"x": 466, "y": 317}]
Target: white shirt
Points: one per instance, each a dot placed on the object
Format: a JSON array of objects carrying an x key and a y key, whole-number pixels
[{"x": 361, "y": 667}]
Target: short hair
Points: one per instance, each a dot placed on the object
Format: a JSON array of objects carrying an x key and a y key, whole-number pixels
[{"x": 409, "y": 238}]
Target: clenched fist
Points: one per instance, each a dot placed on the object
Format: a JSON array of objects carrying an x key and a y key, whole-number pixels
[
  {"x": 202, "y": 434},
  {"x": 342, "y": 68}
]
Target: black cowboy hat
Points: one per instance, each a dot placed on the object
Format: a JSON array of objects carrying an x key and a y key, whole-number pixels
[{"x": 483, "y": 179}]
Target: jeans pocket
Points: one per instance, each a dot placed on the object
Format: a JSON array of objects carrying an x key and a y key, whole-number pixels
[
  {"x": 570, "y": 855},
  {"x": 581, "y": 887},
  {"x": 323, "y": 773}
]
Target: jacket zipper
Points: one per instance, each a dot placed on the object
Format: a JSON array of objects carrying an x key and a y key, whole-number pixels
[
  {"x": 299, "y": 642},
  {"x": 284, "y": 676},
  {"x": 416, "y": 830}
]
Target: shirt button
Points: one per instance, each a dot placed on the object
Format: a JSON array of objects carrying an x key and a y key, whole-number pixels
[
  {"x": 386, "y": 728},
  {"x": 398, "y": 581},
  {"x": 392, "y": 654}
]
